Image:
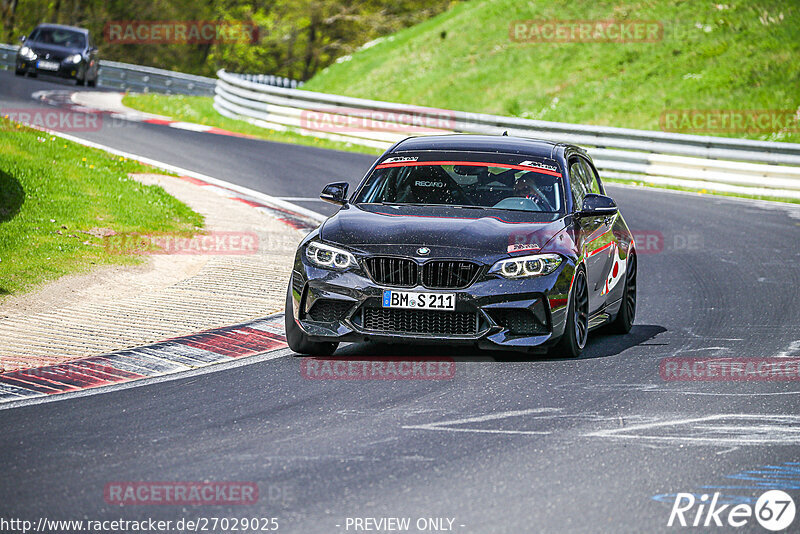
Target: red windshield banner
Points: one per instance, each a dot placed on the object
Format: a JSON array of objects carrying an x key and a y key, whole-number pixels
[{"x": 531, "y": 167}]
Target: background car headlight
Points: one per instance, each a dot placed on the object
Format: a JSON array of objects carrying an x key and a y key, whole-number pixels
[
  {"x": 27, "y": 53},
  {"x": 527, "y": 266},
  {"x": 329, "y": 257},
  {"x": 75, "y": 58}
]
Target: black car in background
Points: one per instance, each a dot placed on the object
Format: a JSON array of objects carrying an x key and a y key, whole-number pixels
[
  {"x": 496, "y": 242},
  {"x": 64, "y": 51}
]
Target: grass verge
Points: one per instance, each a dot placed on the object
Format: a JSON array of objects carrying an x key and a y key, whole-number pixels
[
  {"x": 732, "y": 55},
  {"x": 58, "y": 199}
]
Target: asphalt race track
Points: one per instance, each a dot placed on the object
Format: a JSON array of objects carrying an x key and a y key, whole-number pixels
[{"x": 507, "y": 444}]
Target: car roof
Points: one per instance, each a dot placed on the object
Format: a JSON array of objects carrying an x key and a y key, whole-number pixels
[
  {"x": 62, "y": 27},
  {"x": 483, "y": 143}
]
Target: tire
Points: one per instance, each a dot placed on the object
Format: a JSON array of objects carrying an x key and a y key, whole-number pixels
[
  {"x": 19, "y": 72},
  {"x": 298, "y": 340},
  {"x": 79, "y": 81},
  {"x": 92, "y": 83},
  {"x": 627, "y": 311},
  {"x": 576, "y": 330}
]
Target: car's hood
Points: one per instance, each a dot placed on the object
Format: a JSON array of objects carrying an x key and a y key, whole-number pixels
[
  {"x": 53, "y": 50},
  {"x": 445, "y": 231}
]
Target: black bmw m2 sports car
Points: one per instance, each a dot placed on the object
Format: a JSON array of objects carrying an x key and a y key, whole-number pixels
[{"x": 492, "y": 241}]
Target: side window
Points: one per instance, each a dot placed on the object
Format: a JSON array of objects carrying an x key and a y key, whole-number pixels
[
  {"x": 593, "y": 184},
  {"x": 577, "y": 181}
]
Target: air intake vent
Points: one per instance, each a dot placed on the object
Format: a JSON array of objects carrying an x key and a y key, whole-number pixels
[
  {"x": 401, "y": 321},
  {"x": 389, "y": 271},
  {"x": 520, "y": 322},
  {"x": 443, "y": 274},
  {"x": 329, "y": 310}
]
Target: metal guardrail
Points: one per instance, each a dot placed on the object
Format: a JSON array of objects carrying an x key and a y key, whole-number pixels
[
  {"x": 269, "y": 79},
  {"x": 729, "y": 164},
  {"x": 7, "y": 55},
  {"x": 124, "y": 76}
]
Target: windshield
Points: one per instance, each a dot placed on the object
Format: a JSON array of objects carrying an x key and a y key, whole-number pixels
[
  {"x": 530, "y": 186},
  {"x": 59, "y": 37}
]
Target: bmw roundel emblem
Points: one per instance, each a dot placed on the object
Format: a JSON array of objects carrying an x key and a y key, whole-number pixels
[{"x": 423, "y": 251}]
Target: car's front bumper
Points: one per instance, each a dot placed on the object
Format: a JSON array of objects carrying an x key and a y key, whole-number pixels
[
  {"x": 492, "y": 313},
  {"x": 65, "y": 69}
]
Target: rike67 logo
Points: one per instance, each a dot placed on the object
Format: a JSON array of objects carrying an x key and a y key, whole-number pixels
[{"x": 774, "y": 510}]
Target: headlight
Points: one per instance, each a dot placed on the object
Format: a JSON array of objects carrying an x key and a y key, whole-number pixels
[
  {"x": 329, "y": 257},
  {"x": 76, "y": 58},
  {"x": 527, "y": 266},
  {"x": 27, "y": 53}
]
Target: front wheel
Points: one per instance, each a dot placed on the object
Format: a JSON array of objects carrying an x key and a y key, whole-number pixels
[
  {"x": 298, "y": 340},
  {"x": 576, "y": 330},
  {"x": 19, "y": 72},
  {"x": 627, "y": 310}
]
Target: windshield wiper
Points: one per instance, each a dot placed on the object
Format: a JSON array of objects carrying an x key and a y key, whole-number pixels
[{"x": 467, "y": 207}]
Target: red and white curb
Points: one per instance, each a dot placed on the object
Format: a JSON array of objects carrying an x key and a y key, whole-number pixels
[
  {"x": 192, "y": 127},
  {"x": 63, "y": 99},
  {"x": 166, "y": 357},
  {"x": 287, "y": 216}
]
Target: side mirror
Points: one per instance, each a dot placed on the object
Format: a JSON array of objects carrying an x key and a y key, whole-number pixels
[
  {"x": 597, "y": 205},
  {"x": 92, "y": 50},
  {"x": 22, "y": 38},
  {"x": 335, "y": 193}
]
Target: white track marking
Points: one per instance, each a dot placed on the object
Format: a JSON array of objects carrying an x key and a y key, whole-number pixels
[
  {"x": 769, "y": 429},
  {"x": 655, "y": 388},
  {"x": 445, "y": 425},
  {"x": 791, "y": 350}
]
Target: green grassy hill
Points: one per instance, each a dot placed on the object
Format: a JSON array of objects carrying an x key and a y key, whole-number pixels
[{"x": 735, "y": 54}]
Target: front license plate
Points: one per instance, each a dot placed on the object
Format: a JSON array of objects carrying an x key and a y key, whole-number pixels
[
  {"x": 47, "y": 65},
  {"x": 419, "y": 301}
]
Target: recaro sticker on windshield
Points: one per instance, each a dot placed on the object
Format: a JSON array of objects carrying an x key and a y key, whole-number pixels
[
  {"x": 539, "y": 165},
  {"x": 399, "y": 159}
]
